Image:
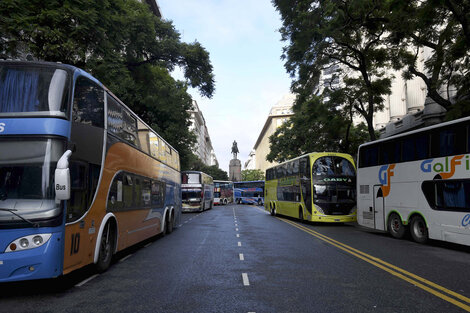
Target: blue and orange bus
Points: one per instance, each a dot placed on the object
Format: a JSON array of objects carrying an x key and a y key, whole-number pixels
[
  {"x": 249, "y": 192},
  {"x": 81, "y": 176}
]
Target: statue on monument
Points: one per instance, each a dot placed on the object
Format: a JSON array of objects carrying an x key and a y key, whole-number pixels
[{"x": 234, "y": 150}]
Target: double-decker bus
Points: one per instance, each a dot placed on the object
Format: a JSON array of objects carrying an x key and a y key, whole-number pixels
[
  {"x": 318, "y": 187},
  {"x": 223, "y": 192},
  {"x": 197, "y": 191},
  {"x": 419, "y": 182},
  {"x": 249, "y": 192},
  {"x": 81, "y": 176}
]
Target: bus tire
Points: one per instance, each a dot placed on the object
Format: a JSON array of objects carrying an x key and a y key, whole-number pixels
[
  {"x": 418, "y": 229},
  {"x": 106, "y": 248},
  {"x": 301, "y": 214},
  {"x": 395, "y": 226},
  {"x": 273, "y": 210},
  {"x": 169, "y": 223},
  {"x": 164, "y": 227}
]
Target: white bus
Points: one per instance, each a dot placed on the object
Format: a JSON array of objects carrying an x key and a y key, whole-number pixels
[
  {"x": 197, "y": 191},
  {"x": 418, "y": 182}
]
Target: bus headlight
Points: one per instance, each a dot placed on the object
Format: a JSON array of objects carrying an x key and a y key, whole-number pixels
[
  {"x": 320, "y": 189},
  {"x": 28, "y": 242},
  {"x": 24, "y": 243},
  {"x": 319, "y": 210}
]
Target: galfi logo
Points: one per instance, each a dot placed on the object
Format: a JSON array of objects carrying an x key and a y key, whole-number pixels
[
  {"x": 385, "y": 173},
  {"x": 446, "y": 169},
  {"x": 2, "y": 127}
]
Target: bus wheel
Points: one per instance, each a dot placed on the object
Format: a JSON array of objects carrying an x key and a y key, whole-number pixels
[
  {"x": 273, "y": 210},
  {"x": 301, "y": 215},
  {"x": 106, "y": 248},
  {"x": 395, "y": 226},
  {"x": 169, "y": 224},
  {"x": 418, "y": 228}
]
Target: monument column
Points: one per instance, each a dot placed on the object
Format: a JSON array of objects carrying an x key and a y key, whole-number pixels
[{"x": 235, "y": 166}]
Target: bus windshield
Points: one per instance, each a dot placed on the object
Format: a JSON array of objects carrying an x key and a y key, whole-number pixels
[
  {"x": 191, "y": 178},
  {"x": 332, "y": 166},
  {"x": 27, "y": 173},
  {"x": 188, "y": 194},
  {"x": 33, "y": 90}
]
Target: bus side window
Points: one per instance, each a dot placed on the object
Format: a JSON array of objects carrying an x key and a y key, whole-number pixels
[
  {"x": 115, "y": 194},
  {"x": 78, "y": 203},
  {"x": 158, "y": 194},
  {"x": 88, "y": 103},
  {"x": 449, "y": 141}
]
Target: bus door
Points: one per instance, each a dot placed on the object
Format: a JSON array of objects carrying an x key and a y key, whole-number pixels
[
  {"x": 87, "y": 134},
  {"x": 379, "y": 208}
]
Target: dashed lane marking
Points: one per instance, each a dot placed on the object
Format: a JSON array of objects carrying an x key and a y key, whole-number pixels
[
  {"x": 242, "y": 257},
  {"x": 86, "y": 280},
  {"x": 246, "y": 282},
  {"x": 239, "y": 244},
  {"x": 125, "y": 258}
]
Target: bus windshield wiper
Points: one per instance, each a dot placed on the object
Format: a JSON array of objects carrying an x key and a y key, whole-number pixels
[{"x": 12, "y": 211}]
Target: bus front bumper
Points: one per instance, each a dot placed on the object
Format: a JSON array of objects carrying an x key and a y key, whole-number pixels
[
  {"x": 42, "y": 262},
  {"x": 334, "y": 218}
]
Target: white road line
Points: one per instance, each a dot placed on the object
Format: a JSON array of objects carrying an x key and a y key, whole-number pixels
[
  {"x": 236, "y": 229},
  {"x": 147, "y": 245},
  {"x": 242, "y": 258},
  {"x": 86, "y": 280},
  {"x": 125, "y": 258},
  {"x": 238, "y": 235},
  {"x": 239, "y": 243},
  {"x": 180, "y": 225},
  {"x": 236, "y": 224},
  {"x": 246, "y": 282}
]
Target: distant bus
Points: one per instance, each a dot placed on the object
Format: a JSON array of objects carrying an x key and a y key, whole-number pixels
[
  {"x": 418, "y": 182},
  {"x": 318, "y": 187},
  {"x": 197, "y": 191},
  {"x": 223, "y": 192},
  {"x": 81, "y": 176},
  {"x": 249, "y": 192}
]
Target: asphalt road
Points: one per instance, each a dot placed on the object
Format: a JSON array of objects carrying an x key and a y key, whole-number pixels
[{"x": 238, "y": 258}]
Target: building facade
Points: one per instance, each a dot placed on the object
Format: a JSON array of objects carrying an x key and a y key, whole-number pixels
[
  {"x": 278, "y": 115},
  {"x": 203, "y": 148}
]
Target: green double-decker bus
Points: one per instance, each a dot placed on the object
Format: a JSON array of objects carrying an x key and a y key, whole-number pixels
[{"x": 318, "y": 187}]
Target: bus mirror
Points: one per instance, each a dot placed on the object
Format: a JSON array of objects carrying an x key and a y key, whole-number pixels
[
  {"x": 62, "y": 184},
  {"x": 62, "y": 177}
]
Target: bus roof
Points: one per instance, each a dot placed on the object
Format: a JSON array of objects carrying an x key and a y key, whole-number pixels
[
  {"x": 305, "y": 155},
  {"x": 463, "y": 119},
  {"x": 77, "y": 71}
]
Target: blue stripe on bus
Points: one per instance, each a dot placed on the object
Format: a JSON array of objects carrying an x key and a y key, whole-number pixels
[{"x": 35, "y": 126}]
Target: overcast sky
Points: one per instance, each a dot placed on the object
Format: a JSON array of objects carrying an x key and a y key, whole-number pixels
[{"x": 245, "y": 47}]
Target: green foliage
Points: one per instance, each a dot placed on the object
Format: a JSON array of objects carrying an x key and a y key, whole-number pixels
[
  {"x": 315, "y": 126},
  {"x": 360, "y": 42},
  {"x": 195, "y": 164},
  {"x": 250, "y": 175},
  {"x": 442, "y": 28},
  {"x": 123, "y": 45},
  {"x": 322, "y": 34}
]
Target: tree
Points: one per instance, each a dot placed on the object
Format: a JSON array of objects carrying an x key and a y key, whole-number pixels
[
  {"x": 441, "y": 27},
  {"x": 197, "y": 165},
  {"x": 315, "y": 126},
  {"x": 250, "y": 175},
  {"x": 322, "y": 34},
  {"x": 123, "y": 45}
]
